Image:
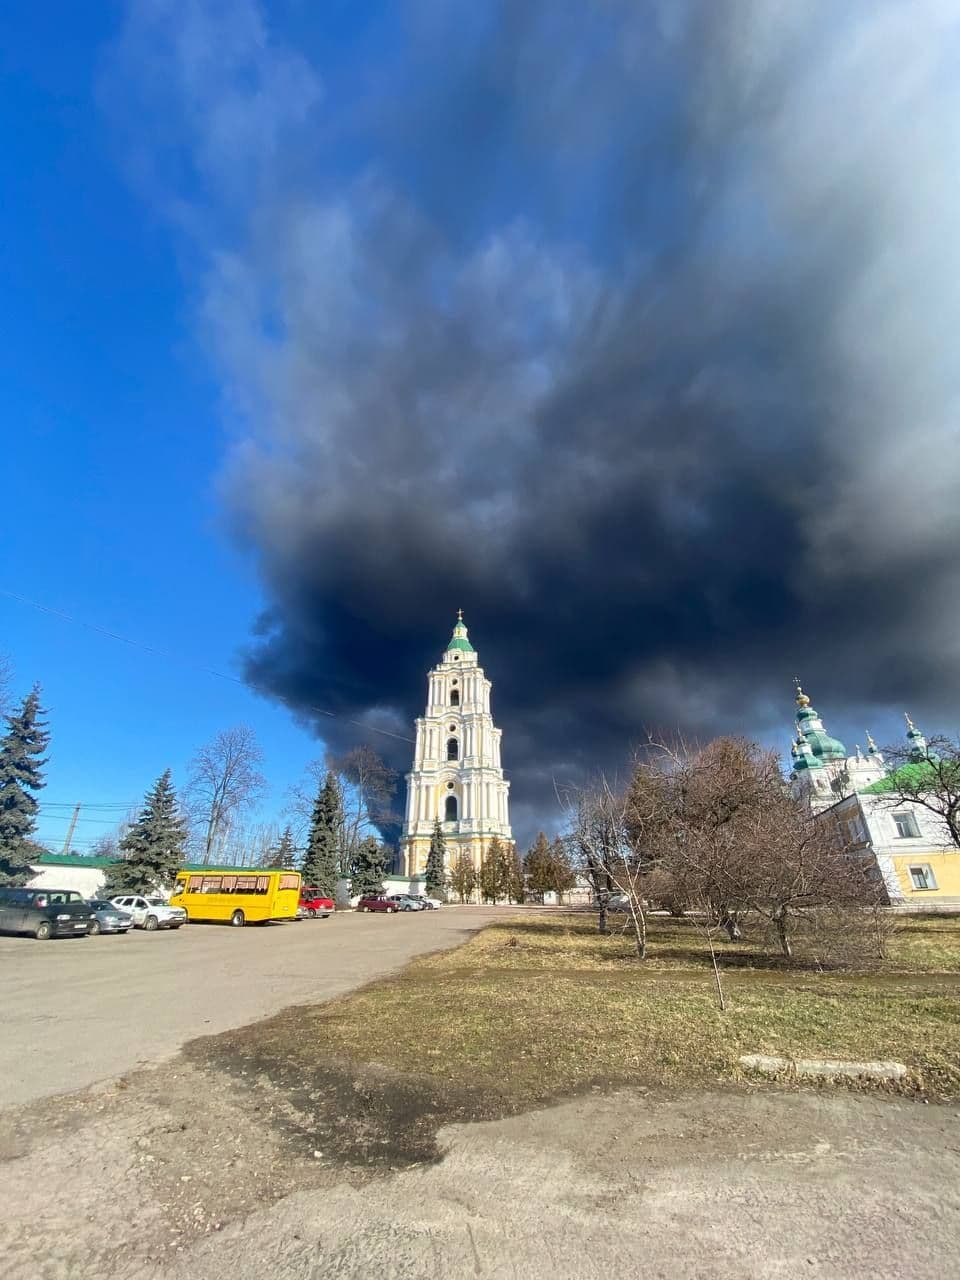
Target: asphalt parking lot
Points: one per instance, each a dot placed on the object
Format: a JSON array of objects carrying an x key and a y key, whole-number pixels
[{"x": 80, "y": 1010}]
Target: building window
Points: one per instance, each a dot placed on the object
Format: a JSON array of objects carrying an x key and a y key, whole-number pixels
[
  {"x": 450, "y": 809},
  {"x": 907, "y": 828},
  {"x": 922, "y": 877},
  {"x": 455, "y": 698},
  {"x": 453, "y": 749}
]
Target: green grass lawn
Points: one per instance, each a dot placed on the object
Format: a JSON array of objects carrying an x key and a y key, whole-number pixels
[{"x": 539, "y": 1006}]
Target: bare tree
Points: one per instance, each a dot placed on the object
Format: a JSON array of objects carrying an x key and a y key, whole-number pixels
[
  {"x": 369, "y": 786},
  {"x": 801, "y": 873},
  {"x": 225, "y": 780},
  {"x": 928, "y": 776},
  {"x": 606, "y": 856}
]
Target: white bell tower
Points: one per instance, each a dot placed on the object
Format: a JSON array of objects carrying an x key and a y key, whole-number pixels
[{"x": 456, "y": 774}]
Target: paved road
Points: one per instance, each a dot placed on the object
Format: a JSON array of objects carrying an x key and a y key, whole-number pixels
[{"x": 80, "y": 1010}]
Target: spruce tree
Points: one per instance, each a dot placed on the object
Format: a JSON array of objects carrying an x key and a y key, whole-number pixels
[
  {"x": 492, "y": 869},
  {"x": 153, "y": 848},
  {"x": 436, "y": 874},
  {"x": 513, "y": 881},
  {"x": 563, "y": 875},
  {"x": 538, "y": 866},
  {"x": 463, "y": 876},
  {"x": 368, "y": 868},
  {"x": 321, "y": 862},
  {"x": 284, "y": 852},
  {"x": 21, "y": 773}
]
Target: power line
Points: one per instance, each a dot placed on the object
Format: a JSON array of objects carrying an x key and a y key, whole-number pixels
[
  {"x": 197, "y": 666},
  {"x": 65, "y": 817}
]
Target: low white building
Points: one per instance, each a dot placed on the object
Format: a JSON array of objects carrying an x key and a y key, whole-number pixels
[{"x": 86, "y": 876}]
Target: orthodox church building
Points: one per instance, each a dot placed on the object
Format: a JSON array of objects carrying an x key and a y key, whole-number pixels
[
  {"x": 912, "y": 847},
  {"x": 457, "y": 777}
]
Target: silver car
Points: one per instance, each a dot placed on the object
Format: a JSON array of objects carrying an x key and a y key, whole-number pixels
[
  {"x": 406, "y": 901},
  {"x": 107, "y": 918},
  {"x": 150, "y": 913}
]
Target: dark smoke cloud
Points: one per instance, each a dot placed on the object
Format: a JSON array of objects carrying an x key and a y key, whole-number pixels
[{"x": 629, "y": 329}]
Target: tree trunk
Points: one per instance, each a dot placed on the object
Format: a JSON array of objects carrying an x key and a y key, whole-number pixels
[
  {"x": 602, "y": 925},
  {"x": 729, "y": 922},
  {"x": 639, "y": 922},
  {"x": 780, "y": 919}
]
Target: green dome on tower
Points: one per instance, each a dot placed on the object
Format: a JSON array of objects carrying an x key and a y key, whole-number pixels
[
  {"x": 459, "y": 640},
  {"x": 818, "y": 742}
]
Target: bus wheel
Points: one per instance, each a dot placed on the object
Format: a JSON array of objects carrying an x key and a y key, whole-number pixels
[{"x": 238, "y": 919}]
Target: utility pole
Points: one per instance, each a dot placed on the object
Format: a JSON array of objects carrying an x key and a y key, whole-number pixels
[{"x": 70, "y": 829}]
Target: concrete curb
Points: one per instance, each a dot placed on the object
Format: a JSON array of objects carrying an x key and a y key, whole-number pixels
[{"x": 824, "y": 1068}]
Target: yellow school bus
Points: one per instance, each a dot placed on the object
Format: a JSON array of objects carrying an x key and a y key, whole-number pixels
[{"x": 242, "y": 895}]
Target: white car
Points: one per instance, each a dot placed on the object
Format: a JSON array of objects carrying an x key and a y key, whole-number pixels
[
  {"x": 432, "y": 902},
  {"x": 151, "y": 913}
]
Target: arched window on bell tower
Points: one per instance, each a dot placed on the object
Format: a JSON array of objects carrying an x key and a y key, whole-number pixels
[
  {"x": 450, "y": 809},
  {"x": 453, "y": 749},
  {"x": 455, "y": 698}
]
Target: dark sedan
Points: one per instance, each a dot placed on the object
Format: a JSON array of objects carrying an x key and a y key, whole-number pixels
[
  {"x": 377, "y": 903},
  {"x": 45, "y": 913}
]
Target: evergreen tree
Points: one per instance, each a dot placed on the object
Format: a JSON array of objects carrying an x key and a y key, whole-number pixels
[
  {"x": 537, "y": 865},
  {"x": 492, "y": 872},
  {"x": 436, "y": 877},
  {"x": 561, "y": 870},
  {"x": 21, "y": 773},
  {"x": 547, "y": 867},
  {"x": 369, "y": 865},
  {"x": 153, "y": 848},
  {"x": 463, "y": 876},
  {"x": 284, "y": 852},
  {"x": 513, "y": 873},
  {"x": 322, "y": 861}
]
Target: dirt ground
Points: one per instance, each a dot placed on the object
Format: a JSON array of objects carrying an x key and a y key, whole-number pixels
[{"x": 194, "y": 1171}]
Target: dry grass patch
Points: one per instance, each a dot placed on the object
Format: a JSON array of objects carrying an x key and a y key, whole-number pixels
[{"x": 537, "y": 1007}]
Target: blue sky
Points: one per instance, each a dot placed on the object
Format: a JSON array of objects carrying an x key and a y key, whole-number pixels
[{"x": 113, "y": 431}]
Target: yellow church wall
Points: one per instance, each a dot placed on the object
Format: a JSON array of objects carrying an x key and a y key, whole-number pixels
[
  {"x": 416, "y": 851},
  {"x": 946, "y": 873}
]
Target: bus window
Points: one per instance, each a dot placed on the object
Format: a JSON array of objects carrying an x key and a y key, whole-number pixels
[
  {"x": 263, "y": 884},
  {"x": 289, "y": 882},
  {"x": 246, "y": 884},
  {"x": 211, "y": 884},
  {"x": 229, "y": 884}
]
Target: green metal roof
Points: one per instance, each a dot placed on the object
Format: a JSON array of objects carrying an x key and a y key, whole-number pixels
[
  {"x": 72, "y": 860},
  {"x": 913, "y": 775}
]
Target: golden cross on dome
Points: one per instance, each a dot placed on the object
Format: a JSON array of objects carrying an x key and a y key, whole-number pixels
[{"x": 459, "y": 615}]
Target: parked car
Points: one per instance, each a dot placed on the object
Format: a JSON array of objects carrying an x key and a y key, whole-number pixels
[
  {"x": 431, "y": 903},
  {"x": 108, "y": 918},
  {"x": 377, "y": 904},
  {"x": 151, "y": 913},
  {"x": 407, "y": 902},
  {"x": 46, "y": 913},
  {"x": 315, "y": 903}
]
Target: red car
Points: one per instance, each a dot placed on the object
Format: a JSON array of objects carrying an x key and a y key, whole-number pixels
[
  {"x": 313, "y": 903},
  {"x": 377, "y": 904}
]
